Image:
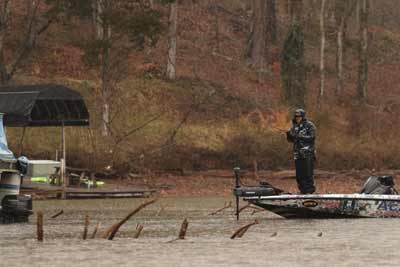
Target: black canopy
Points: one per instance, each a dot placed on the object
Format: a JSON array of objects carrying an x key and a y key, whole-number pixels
[{"x": 42, "y": 105}]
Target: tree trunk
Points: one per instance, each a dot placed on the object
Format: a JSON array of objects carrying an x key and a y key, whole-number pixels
[
  {"x": 256, "y": 49},
  {"x": 173, "y": 19},
  {"x": 363, "y": 50},
  {"x": 343, "y": 10},
  {"x": 296, "y": 11},
  {"x": 340, "y": 9},
  {"x": 103, "y": 34},
  {"x": 32, "y": 6},
  {"x": 339, "y": 60},
  {"x": 272, "y": 24},
  {"x": 322, "y": 55},
  {"x": 97, "y": 19},
  {"x": 4, "y": 19},
  {"x": 293, "y": 67},
  {"x": 106, "y": 82}
]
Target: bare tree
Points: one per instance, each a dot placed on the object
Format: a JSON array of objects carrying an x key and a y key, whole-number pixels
[
  {"x": 272, "y": 22},
  {"x": 118, "y": 28},
  {"x": 173, "y": 19},
  {"x": 257, "y": 45},
  {"x": 296, "y": 11},
  {"x": 322, "y": 55},
  {"x": 33, "y": 30},
  {"x": 343, "y": 10},
  {"x": 102, "y": 27},
  {"x": 363, "y": 50},
  {"x": 4, "y": 22}
]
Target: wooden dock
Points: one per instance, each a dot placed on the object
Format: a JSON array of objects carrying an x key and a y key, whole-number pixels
[{"x": 46, "y": 191}]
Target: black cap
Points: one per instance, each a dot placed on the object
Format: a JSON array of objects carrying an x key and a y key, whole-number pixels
[{"x": 300, "y": 112}]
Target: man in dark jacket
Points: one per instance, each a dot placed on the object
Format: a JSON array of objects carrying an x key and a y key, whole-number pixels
[{"x": 302, "y": 135}]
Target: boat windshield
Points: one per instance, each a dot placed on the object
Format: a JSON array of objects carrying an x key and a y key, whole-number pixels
[{"x": 5, "y": 153}]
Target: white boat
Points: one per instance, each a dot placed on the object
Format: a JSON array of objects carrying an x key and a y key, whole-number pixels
[
  {"x": 378, "y": 199},
  {"x": 330, "y": 205}
]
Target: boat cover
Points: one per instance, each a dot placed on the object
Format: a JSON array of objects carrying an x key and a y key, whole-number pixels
[
  {"x": 42, "y": 105},
  {"x": 5, "y": 153}
]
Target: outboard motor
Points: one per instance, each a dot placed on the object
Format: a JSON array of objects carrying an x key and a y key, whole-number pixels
[
  {"x": 264, "y": 189},
  {"x": 13, "y": 206},
  {"x": 379, "y": 185}
]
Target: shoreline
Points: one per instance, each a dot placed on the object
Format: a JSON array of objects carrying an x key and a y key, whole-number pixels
[{"x": 221, "y": 182}]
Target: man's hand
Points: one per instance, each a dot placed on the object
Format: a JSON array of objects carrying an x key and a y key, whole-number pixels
[{"x": 290, "y": 136}]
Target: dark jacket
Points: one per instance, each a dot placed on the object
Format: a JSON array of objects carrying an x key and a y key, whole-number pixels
[{"x": 302, "y": 135}]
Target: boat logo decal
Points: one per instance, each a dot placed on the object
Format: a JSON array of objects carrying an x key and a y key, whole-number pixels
[
  {"x": 310, "y": 203},
  {"x": 389, "y": 206}
]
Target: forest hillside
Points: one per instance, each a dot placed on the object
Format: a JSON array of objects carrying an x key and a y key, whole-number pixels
[{"x": 195, "y": 85}]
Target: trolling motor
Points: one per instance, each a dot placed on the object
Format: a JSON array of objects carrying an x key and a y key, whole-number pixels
[{"x": 264, "y": 189}]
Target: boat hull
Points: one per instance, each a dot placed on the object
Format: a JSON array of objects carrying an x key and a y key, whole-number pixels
[{"x": 330, "y": 206}]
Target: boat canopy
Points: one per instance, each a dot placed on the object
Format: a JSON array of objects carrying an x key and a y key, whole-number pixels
[{"x": 42, "y": 105}]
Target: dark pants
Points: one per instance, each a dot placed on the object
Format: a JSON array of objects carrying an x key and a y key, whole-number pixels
[{"x": 305, "y": 175}]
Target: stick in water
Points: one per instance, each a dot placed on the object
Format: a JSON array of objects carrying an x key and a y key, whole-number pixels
[
  {"x": 93, "y": 236},
  {"x": 184, "y": 227},
  {"x": 39, "y": 224},
  {"x": 256, "y": 210},
  {"x": 107, "y": 232},
  {"x": 226, "y": 206},
  {"x": 244, "y": 207},
  {"x": 57, "y": 214},
  {"x": 86, "y": 228},
  {"x": 110, "y": 233},
  {"x": 182, "y": 232},
  {"x": 242, "y": 230},
  {"x": 139, "y": 229}
]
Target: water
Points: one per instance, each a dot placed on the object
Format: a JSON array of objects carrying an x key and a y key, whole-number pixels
[{"x": 357, "y": 242}]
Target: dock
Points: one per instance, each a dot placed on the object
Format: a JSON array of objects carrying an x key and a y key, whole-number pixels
[{"x": 46, "y": 191}]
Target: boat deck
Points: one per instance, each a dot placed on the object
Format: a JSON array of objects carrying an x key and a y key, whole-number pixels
[
  {"x": 328, "y": 196},
  {"x": 46, "y": 191}
]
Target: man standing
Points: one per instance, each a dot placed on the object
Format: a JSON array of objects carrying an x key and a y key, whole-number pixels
[{"x": 302, "y": 135}]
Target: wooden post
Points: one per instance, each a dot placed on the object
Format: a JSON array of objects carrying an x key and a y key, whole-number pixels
[
  {"x": 64, "y": 155},
  {"x": 86, "y": 227},
  {"x": 184, "y": 227},
  {"x": 95, "y": 231},
  {"x": 39, "y": 224},
  {"x": 63, "y": 176},
  {"x": 93, "y": 179},
  {"x": 139, "y": 229},
  {"x": 182, "y": 231}
]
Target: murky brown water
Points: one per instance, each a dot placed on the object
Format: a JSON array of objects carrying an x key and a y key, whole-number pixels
[{"x": 369, "y": 242}]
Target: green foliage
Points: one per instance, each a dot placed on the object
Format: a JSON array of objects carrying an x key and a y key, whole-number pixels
[
  {"x": 133, "y": 25},
  {"x": 294, "y": 68},
  {"x": 70, "y": 8},
  {"x": 166, "y": 2},
  {"x": 145, "y": 26},
  {"x": 93, "y": 48}
]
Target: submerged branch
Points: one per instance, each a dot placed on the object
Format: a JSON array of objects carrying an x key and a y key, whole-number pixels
[
  {"x": 111, "y": 232},
  {"x": 242, "y": 230}
]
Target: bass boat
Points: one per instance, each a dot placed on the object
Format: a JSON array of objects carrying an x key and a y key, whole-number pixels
[{"x": 377, "y": 199}]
